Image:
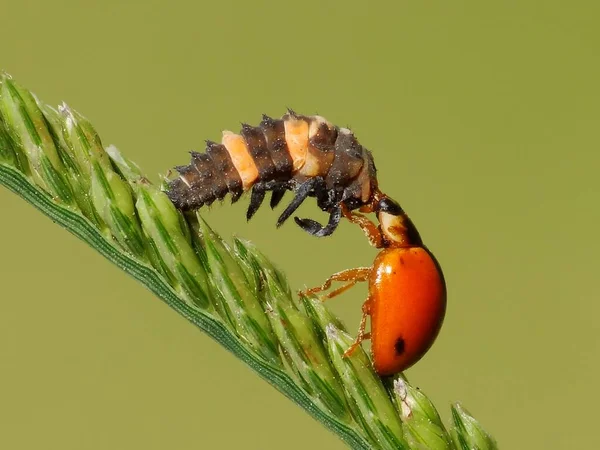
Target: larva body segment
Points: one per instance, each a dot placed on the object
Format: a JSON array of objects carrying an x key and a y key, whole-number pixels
[{"x": 304, "y": 154}]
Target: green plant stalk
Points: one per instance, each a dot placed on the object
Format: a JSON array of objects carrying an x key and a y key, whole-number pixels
[
  {"x": 7, "y": 152},
  {"x": 301, "y": 347},
  {"x": 422, "y": 423},
  {"x": 79, "y": 182},
  {"x": 157, "y": 284},
  {"x": 370, "y": 404},
  {"x": 54, "y": 159},
  {"x": 240, "y": 301},
  {"x": 468, "y": 433},
  {"x": 26, "y": 126}
]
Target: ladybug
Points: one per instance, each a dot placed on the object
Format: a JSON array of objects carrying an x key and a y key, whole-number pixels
[{"x": 407, "y": 291}]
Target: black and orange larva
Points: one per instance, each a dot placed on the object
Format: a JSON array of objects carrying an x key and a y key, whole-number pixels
[{"x": 304, "y": 154}]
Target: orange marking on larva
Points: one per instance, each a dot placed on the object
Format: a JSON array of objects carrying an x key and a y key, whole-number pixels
[
  {"x": 407, "y": 307},
  {"x": 296, "y": 137},
  {"x": 316, "y": 163},
  {"x": 312, "y": 166},
  {"x": 241, "y": 158}
]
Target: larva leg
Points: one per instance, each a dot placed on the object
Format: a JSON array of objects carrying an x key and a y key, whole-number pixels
[
  {"x": 256, "y": 199},
  {"x": 352, "y": 276},
  {"x": 277, "y": 195},
  {"x": 259, "y": 191},
  {"x": 316, "y": 229},
  {"x": 301, "y": 194}
]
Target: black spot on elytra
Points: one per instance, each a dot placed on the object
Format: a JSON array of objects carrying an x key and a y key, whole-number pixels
[{"x": 399, "y": 346}]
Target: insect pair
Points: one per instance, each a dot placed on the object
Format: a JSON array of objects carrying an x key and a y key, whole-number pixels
[{"x": 313, "y": 158}]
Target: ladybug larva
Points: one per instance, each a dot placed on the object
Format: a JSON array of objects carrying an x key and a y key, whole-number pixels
[{"x": 304, "y": 154}]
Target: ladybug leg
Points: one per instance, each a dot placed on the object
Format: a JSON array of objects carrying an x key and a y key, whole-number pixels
[
  {"x": 361, "y": 336},
  {"x": 352, "y": 276},
  {"x": 368, "y": 227},
  {"x": 340, "y": 290}
]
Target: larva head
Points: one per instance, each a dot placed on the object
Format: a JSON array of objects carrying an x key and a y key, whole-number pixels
[{"x": 396, "y": 227}]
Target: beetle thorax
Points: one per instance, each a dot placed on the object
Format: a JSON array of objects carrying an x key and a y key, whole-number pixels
[{"x": 398, "y": 230}]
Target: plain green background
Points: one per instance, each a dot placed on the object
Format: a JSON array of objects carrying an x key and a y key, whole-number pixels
[{"x": 483, "y": 119}]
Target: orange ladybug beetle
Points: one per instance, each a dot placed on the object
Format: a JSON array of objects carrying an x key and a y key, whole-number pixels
[{"x": 407, "y": 291}]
